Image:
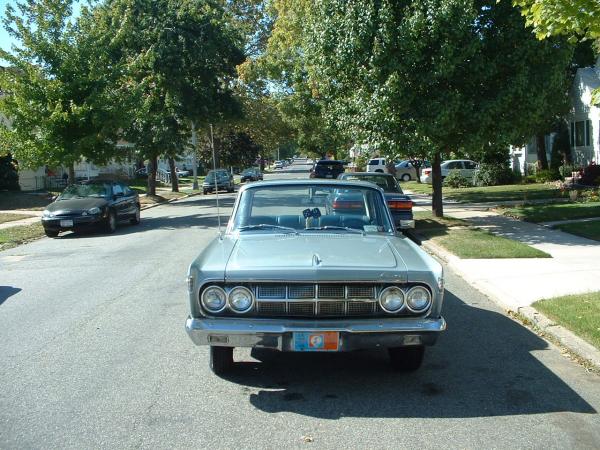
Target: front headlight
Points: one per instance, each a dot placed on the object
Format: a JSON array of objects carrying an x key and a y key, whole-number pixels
[
  {"x": 214, "y": 299},
  {"x": 240, "y": 299},
  {"x": 47, "y": 213},
  {"x": 94, "y": 210},
  {"x": 391, "y": 299},
  {"x": 418, "y": 299}
]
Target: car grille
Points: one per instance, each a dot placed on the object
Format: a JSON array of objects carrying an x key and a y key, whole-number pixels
[{"x": 326, "y": 300}]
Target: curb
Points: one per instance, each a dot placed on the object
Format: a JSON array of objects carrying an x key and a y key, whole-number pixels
[
  {"x": 584, "y": 353},
  {"x": 154, "y": 205}
]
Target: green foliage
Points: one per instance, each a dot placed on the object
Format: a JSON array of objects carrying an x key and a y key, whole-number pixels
[
  {"x": 493, "y": 175},
  {"x": 566, "y": 170},
  {"x": 9, "y": 178},
  {"x": 545, "y": 176},
  {"x": 236, "y": 149},
  {"x": 456, "y": 180}
]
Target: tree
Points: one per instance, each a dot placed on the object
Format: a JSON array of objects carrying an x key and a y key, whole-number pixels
[
  {"x": 443, "y": 75},
  {"x": 60, "y": 110},
  {"x": 9, "y": 178},
  {"x": 178, "y": 58}
]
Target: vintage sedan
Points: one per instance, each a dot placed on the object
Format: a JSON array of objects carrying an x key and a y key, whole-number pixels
[{"x": 294, "y": 273}]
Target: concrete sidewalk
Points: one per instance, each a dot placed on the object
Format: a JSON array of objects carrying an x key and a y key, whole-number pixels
[
  {"x": 35, "y": 217},
  {"x": 574, "y": 267}
]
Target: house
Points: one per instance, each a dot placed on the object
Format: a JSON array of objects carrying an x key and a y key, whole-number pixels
[{"x": 584, "y": 118}]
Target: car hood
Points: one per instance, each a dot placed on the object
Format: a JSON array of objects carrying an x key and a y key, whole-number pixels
[
  {"x": 322, "y": 256},
  {"x": 76, "y": 204}
]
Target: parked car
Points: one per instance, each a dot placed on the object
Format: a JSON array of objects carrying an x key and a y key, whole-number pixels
[
  {"x": 466, "y": 168},
  {"x": 222, "y": 178},
  {"x": 251, "y": 174},
  {"x": 278, "y": 165},
  {"x": 327, "y": 168},
  {"x": 180, "y": 172},
  {"x": 399, "y": 203},
  {"x": 405, "y": 170},
  {"x": 293, "y": 272},
  {"x": 92, "y": 204},
  {"x": 377, "y": 165}
]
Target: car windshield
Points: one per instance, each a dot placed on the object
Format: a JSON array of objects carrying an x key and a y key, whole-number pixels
[
  {"x": 85, "y": 190},
  {"x": 219, "y": 175},
  {"x": 343, "y": 208},
  {"x": 388, "y": 184}
]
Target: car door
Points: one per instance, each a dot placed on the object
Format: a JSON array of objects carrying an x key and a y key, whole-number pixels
[
  {"x": 469, "y": 169},
  {"x": 130, "y": 201},
  {"x": 119, "y": 201}
]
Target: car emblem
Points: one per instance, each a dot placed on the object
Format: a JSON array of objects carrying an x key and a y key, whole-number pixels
[{"x": 316, "y": 260}]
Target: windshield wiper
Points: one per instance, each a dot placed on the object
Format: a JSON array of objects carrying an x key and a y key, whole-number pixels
[
  {"x": 267, "y": 226},
  {"x": 333, "y": 227}
]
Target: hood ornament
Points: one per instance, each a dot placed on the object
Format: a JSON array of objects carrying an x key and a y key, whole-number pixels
[{"x": 316, "y": 260}]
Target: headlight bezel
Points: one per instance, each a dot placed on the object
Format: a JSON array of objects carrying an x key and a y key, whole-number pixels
[
  {"x": 427, "y": 306},
  {"x": 96, "y": 210},
  {"x": 387, "y": 290},
  {"x": 250, "y": 295},
  {"x": 203, "y": 302}
]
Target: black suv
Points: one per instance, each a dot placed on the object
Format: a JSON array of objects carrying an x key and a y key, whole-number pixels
[{"x": 327, "y": 169}]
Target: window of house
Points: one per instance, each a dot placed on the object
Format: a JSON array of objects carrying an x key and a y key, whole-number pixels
[
  {"x": 572, "y": 134},
  {"x": 588, "y": 132},
  {"x": 579, "y": 133}
]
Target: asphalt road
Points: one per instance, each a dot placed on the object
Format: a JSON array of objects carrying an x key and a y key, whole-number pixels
[{"x": 93, "y": 354}]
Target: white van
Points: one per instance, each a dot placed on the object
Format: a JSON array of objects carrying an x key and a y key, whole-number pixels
[{"x": 376, "y": 165}]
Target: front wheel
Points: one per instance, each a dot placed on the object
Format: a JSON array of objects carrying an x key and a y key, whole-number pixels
[
  {"x": 221, "y": 359},
  {"x": 111, "y": 222},
  {"x": 406, "y": 359},
  {"x": 136, "y": 217},
  {"x": 406, "y": 177}
]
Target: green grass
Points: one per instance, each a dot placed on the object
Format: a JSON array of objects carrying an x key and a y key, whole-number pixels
[
  {"x": 590, "y": 230},
  {"x": 13, "y": 236},
  {"x": 579, "y": 313},
  {"x": 467, "y": 242},
  {"x": 12, "y": 217},
  {"x": 21, "y": 200},
  {"x": 521, "y": 192},
  {"x": 548, "y": 213}
]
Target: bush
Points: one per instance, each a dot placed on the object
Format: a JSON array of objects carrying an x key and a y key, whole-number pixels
[
  {"x": 529, "y": 179},
  {"x": 493, "y": 175},
  {"x": 589, "y": 195},
  {"x": 590, "y": 175},
  {"x": 456, "y": 180},
  {"x": 566, "y": 170},
  {"x": 9, "y": 178},
  {"x": 545, "y": 176}
]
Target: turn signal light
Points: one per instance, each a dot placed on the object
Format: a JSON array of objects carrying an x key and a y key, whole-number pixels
[{"x": 400, "y": 204}]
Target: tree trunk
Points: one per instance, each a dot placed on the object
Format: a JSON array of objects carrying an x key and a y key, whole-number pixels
[
  {"x": 152, "y": 176},
  {"x": 174, "y": 179},
  {"x": 71, "y": 174},
  {"x": 437, "y": 208},
  {"x": 542, "y": 159}
]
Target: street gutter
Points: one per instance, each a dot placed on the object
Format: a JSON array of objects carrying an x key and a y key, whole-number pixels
[{"x": 577, "y": 348}]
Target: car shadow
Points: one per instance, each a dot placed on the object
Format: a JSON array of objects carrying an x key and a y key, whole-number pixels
[
  {"x": 6, "y": 292},
  {"x": 482, "y": 366}
]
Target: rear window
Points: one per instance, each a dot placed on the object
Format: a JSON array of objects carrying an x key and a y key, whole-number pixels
[{"x": 375, "y": 162}]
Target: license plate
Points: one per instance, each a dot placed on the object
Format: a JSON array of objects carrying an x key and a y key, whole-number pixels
[
  {"x": 328, "y": 176},
  {"x": 66, "y": 223},
  {"x": 323, "y": 341}
]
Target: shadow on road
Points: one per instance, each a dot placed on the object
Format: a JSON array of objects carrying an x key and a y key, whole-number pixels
[
  {"x": 6, "y": 292},
  {"x": 482, "y": 366}
]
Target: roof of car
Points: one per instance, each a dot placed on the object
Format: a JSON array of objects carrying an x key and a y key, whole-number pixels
[
  {"x": 367, "y": 174},
  {"x": 331, "y": 161},
  {"x": 310, "y": 182}
]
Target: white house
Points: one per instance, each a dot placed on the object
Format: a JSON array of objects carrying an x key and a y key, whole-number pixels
[{"x": 584, "y": 118}]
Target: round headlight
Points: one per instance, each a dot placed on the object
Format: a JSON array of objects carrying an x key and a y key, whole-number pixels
[
  {"x": 418, "y": 299},
  {"x": 94, "y": 210},
  {"x": 240, "y": 299},
  {"x": 391, "y": 299},
  {"x": 214, "y": 299},
  {"x": 47, "y": 213}
]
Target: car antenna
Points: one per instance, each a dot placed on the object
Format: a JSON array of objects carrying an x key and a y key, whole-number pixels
[{"x": 212, "y": 146}]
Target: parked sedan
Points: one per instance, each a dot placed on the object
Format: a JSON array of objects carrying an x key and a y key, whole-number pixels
[
  {"x": 399, "y": 203},
  {"x": 327, "y": 168},
  {"x": 465, "y": 167},
  {"x": 405, "y": 170},
  {"x": 251, "y": 174},
  {"x": 218, "y": 179},
  {"x": 96, "y": 203},
  {"x": 295, "y": 274}
]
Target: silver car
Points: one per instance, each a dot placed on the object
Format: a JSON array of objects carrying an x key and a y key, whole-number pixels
[{"x": 314, "y": 266}]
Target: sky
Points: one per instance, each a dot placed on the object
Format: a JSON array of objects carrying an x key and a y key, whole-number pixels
[{"x": 5, "y": 40}]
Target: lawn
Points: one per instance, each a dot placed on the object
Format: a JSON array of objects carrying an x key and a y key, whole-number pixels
[
  {"x": 471, "y": 243},
  {"x": 12, "y": 217},
  {"x": 23, "y": 200},
  {"x": 11, "y": 237},
  {"x": 548, "y": 213},
  {"x": 579, "y": 313},
  {"x": 590, "y": 230},
  {"x": 521, "y": 192}
]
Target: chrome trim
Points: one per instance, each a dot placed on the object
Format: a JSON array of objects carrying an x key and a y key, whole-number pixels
[
  {"x": 403, "y": 299},
  {"x": 252, "y": 302},
  {"x": 202, "y": 299},
  {"x": 417, "y": 311}
]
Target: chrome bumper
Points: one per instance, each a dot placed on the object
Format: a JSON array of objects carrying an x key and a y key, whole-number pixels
[{"x": 354, "y": 334}]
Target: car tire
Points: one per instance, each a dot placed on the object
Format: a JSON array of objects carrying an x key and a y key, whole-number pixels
[
  {"x": 406, "y": 359},
  {"x": 111, "y": 222},
  {"x": 204, "y": 192},
  {"x": 51, "y": 233},
  {"x": 221, "y": 359},
  {"x": 135, "y": 220},
  {"x": 406, "y": 177}
]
